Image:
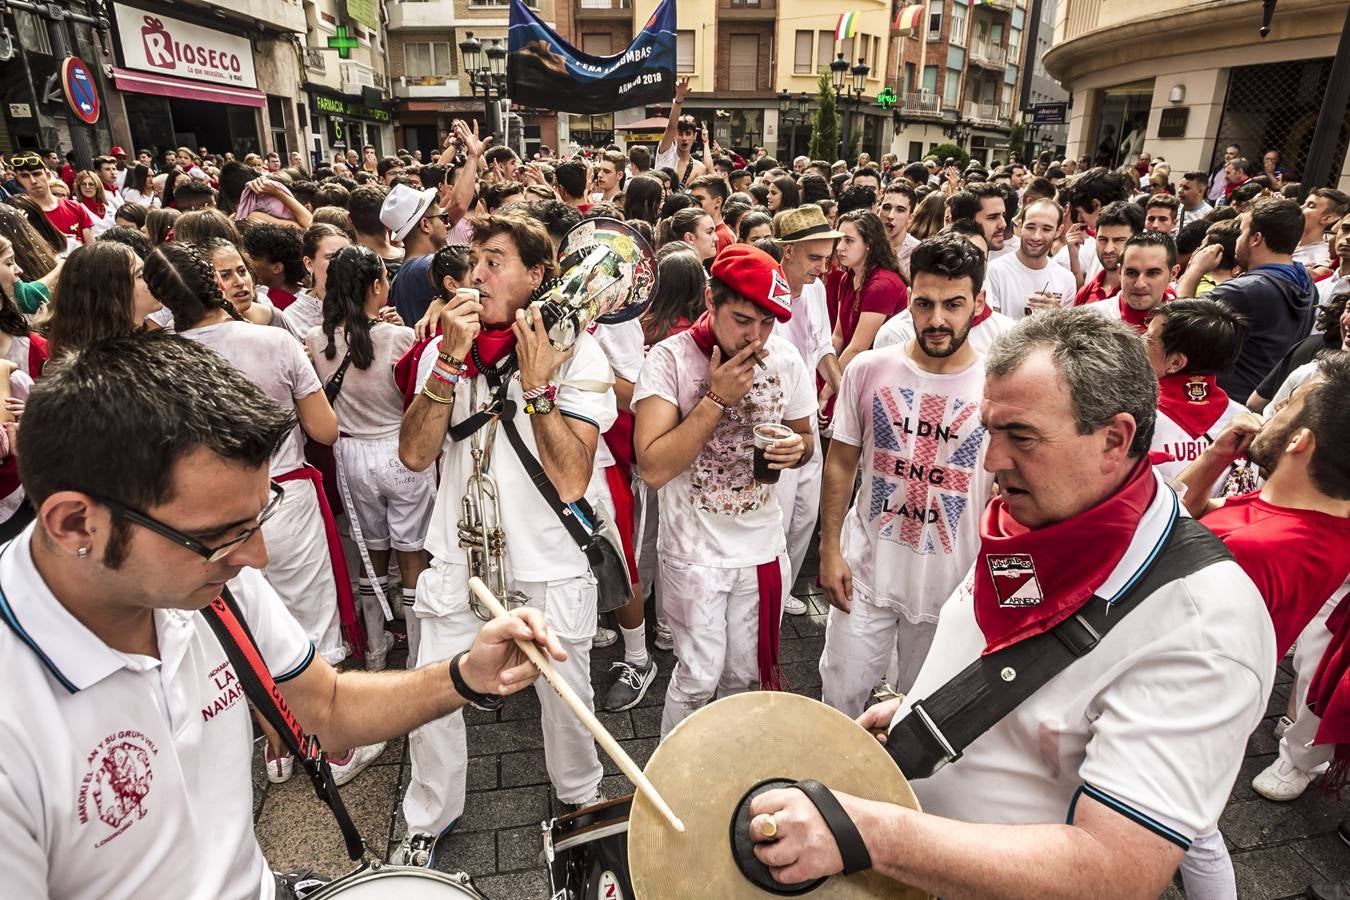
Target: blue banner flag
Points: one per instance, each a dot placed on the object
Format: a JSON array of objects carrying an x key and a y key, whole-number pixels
[{"x": 546, "y": 72}]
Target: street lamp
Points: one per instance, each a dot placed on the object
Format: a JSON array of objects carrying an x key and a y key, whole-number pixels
[
  {"x": 838, "y": 74},
  {"x": 792, "y": 111},
  {"x": 486, "y": 71},
  {"x": 959, "y": 131},
  {"x": 859, "y": 71}
]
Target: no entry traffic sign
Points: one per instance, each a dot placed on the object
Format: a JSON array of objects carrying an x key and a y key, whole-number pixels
[{"x": 77, "y": 81}]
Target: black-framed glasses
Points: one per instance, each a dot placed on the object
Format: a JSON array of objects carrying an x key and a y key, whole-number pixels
[
  {"x": 443, "y": 216},
  {"x": 210, "y": 554}
]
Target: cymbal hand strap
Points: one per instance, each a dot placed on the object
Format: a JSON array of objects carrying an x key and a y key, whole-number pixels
[{"x": 852, "y": 848}]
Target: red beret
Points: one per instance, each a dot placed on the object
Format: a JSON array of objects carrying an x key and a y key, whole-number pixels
[{"x": 753, "y": 274}]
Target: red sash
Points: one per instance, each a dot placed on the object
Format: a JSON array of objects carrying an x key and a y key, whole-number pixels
[
  {"x": 351, "y": 625},
  {"x": 621, "y": 495},
  {"x": 770, "y": 576}
]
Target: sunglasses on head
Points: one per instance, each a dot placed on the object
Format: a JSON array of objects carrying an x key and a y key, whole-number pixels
[{"x": 27, "y": 161}]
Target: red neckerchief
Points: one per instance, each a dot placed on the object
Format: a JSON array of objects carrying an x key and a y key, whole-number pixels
[
  {"x": 982, "y": 316},
  {"x": 493, "y": 345},
  {"x": 702, "y": 333},
  {"x": 1138, "y": 319},
  {"x": 1195, "y": 402},
  {"x": 1028, "y": 581},
  {"x": 98, "y": 208}
]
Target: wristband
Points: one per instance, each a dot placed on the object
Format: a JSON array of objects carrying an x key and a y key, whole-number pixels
[
  {"x": 452, "y": 361},
  {"x": 550, "y": 389},
  {"x": 482, "y": 701},
  {"x": 445, "y": 378},
  {"x": 717, "y": 401}
]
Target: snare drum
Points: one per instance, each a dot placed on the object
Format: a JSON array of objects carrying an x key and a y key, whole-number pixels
[
  {"x": 587, "y": 853},
  {"x": 378, "y": 881}
]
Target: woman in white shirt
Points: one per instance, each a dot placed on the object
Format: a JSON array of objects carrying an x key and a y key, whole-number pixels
[
  {"x": 391, "y": 504},
  {"x": 140, "y": 188}
]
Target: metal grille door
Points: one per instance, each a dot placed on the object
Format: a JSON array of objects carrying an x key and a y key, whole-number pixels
[{"x": 1275, "y": 107}]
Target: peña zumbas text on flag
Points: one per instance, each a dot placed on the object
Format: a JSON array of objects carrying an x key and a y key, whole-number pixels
[{"x": 545, "y": 71}]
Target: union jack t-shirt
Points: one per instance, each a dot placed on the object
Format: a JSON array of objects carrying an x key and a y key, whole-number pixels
[{"x": 913, "y": 530}]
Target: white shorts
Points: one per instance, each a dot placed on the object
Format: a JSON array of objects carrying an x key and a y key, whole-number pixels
[{"x": 391, "y": 502}]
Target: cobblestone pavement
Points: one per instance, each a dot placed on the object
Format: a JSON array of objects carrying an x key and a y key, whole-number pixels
[{"x": 1278, "y": 849}]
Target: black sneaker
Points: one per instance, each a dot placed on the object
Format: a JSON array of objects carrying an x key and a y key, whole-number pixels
[
  {"x": 629, "y": 688},
  {"x": 414, "y": 850}
]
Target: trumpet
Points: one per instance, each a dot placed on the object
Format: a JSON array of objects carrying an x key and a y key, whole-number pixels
[{"x": 484, "y": 541}]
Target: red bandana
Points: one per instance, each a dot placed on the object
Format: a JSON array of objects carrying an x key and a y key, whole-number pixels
[
  {"x": 1195, "y": 402},
  {"x": 984, "y": 314},
  {"x": 98, "y": 207},
  {"x": 493, "y": 346},
  {"x": 1028, "y": 581},
  {"x": 702, "y": 333},
  {"x": 1138, "y": 318}
]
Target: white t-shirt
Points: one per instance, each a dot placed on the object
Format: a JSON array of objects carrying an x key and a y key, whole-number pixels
[
  {"x": 1010, "y": 245},
  {"x": 1187, "y": 216},
  {"x": 914, "y": 527},
  {"x": 1171, "y": 438},
  {"x": 1312, "y": 254},
  {"x": 623, "y": 346},
  {"x": 1087, "y": 259},
  {"x": 538, "y": 548},
  {"x": 1154, "y": 721},
  {"x": 899, "y": 330},
  {"x": 1295, "y": 379},
  {"x": 275, "y": 362},
  {"x": 809, "y": 328},
  {"x": 125, "y": 775},
  {"x": 904, "y": 253},
  {"x": 1009, "y": 282},
  {"x": 714, "y": 513},
  {"x": 304, "y": 313},
  {"x": 370, "y": 404}
]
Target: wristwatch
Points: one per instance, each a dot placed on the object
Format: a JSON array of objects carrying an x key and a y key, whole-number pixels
[
  {"x": 540, "y": 401},
  {"x": 489, "y": 702}
]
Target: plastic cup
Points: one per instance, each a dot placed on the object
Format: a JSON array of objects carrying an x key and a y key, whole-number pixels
[{"x": 765, "y": 435}]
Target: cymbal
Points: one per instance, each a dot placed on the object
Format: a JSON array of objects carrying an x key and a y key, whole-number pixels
[{"x": 708, "y": 763}]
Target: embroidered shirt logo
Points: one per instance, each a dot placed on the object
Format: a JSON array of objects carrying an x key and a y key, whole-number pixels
[
  {"x": 1197, "y": 389},
  {"x": 117, "y": 783},
  {"x": 1014, "y": 578}
]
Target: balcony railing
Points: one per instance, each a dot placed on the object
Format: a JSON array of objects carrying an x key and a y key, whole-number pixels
[
  {"x": 985, "y": 114},
  {"x": 743, "y": 78},
  {"x": 998, "y": 5},
  {"x": 922, "y": 103},
  {"x": 989, "y": 56},
  {"x": 604, "y": 4}
]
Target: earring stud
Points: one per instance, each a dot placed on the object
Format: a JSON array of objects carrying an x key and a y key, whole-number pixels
[{"x": 82, "y": 553}]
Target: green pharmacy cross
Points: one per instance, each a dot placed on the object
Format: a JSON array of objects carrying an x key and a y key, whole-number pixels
[
  {"x": 343, "y": 43},
  {"x": 886, "y": 98}
]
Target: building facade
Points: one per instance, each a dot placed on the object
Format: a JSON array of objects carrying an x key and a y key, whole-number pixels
[
  {"x": 1184, "y": 79},
  {"x": 1039, "y": 88},
  {"x": 427, "y": 73},
  {"x": 957, "y": 77},
  {"x": 345, "y": 101}
]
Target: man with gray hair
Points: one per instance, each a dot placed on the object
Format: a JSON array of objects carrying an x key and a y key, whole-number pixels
[{"x": 1094, "y": 778}]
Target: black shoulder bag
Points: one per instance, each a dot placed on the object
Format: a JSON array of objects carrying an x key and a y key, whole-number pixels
[
  {"x": 597, "y": 537},
  {"x": 333, "y": 386}
]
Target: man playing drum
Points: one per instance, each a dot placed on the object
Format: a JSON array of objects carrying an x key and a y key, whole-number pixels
[
  {"x": 127, "y": 758},
  {"x": 1098, "y": 782}
]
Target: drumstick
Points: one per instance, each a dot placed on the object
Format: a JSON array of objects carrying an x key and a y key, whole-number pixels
[{"x": 601, "y": 734}]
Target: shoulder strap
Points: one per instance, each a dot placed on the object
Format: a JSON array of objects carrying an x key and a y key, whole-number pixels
[
  {"x": 225, "y": 619},
  {"x": 499, "y": 382},
  {"x": 333, "y": 386},
  {"x": 940, "y": 727}
]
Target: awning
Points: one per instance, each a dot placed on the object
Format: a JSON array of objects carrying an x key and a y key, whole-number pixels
[
  {"x": 181, "y": 89},
  {"x": 655, "y": 123}
]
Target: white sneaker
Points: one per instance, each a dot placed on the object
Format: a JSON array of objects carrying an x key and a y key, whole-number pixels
[
  {"x": 279, "y": 768},
  {"x": 355, "y": 762},
  {"x": 604, "y": 637},
  {"x": 1281, "y": 782},
  {"x": 794, "y": 606},
  {"x": 663, "y": 639},
  {"x": 376, "y": 657},
  {"x": 1283, "y": 725}
]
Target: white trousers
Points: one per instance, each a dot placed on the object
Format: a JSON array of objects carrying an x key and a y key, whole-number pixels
[
  {"x": 714, "y": 620},
  {"x": 646, "y": 512},
  {"x": 799, "y": 498},
  {"x": 299, "y": 570},
  {"x": 439, "y": 749},
  {"x": 1207, "y": 869},
  {"x": 392, "y": 502},
  {"x": 1296, "y": 746},
  {"x": 859, "y": 646}
]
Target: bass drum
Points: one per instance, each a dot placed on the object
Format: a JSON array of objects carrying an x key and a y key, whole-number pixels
[
  {"x": 378, "y": 881},
  {"x": 587, "y": 853}
]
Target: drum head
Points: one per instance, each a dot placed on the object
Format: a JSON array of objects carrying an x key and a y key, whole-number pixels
[
  {"x": 706, "y": 765},
  {"x": 379, "y": 882}
]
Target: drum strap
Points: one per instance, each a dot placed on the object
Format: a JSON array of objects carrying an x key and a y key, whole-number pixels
[
  {"x": 939, "y": 727},
  {"x": 241, "y": 649}
]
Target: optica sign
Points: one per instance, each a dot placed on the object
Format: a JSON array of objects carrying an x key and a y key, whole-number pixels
[{"x": 166, "y": 46}]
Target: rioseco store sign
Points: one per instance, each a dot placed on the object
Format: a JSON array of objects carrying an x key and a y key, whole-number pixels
[{"x": 156, "y": 43}]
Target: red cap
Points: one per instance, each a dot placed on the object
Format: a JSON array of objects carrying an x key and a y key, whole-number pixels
[
  {"x": 753, "y": 274},
  {"x": 117, "y": 151}
]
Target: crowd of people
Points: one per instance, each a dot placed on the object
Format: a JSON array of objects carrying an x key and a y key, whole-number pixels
[{"x": 989, "y": 393}]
